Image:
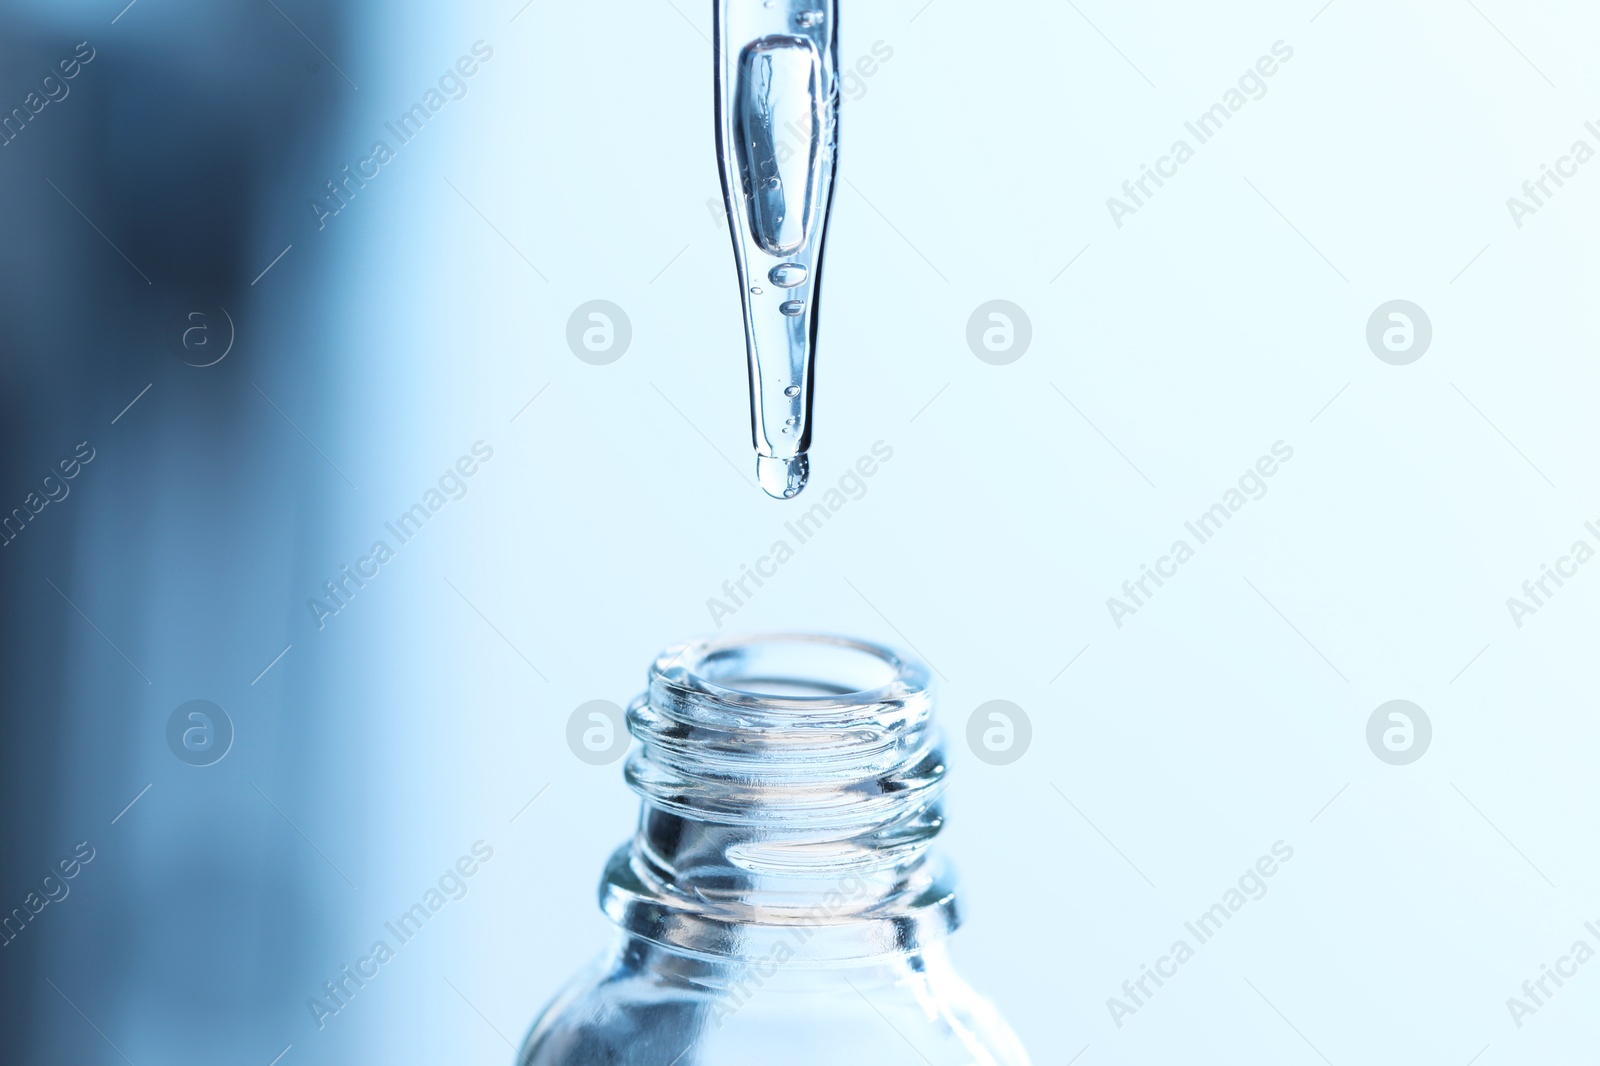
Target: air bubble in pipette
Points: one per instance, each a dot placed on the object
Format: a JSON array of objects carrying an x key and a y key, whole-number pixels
[{"x": 787, "y": 275}]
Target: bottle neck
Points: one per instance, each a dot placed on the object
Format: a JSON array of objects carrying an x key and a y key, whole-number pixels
[{"x": 790, "y": 791}]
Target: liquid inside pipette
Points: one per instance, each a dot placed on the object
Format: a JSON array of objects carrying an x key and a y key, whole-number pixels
[{"x": 777, "y": 132}]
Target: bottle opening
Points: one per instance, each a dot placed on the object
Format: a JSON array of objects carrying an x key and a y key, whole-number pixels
[
  {"x": 789, "y": 672},
  {"x": 796, "y": 666}
]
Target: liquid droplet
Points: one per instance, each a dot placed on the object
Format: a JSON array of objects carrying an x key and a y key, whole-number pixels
[
  {"x": 787, "y": 275},
  {"x": 792, "y": 307},
  {"x": 792, "y": 391},
  {"x": 782, "y": 479},
  {"x": 808, "y": 19}
]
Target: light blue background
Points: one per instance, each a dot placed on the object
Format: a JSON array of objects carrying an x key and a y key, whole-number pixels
[{"x": 1171, "y": 754}]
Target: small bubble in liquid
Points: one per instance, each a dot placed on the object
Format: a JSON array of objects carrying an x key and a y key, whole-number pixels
[
  {"x": 787, "y": 275},
  {"x": 792, "y": 307},
  {"x": 792, "y": 391},
  {"x": 791, "y": 422},
  {"x": 755, "y": 289},
  {"x": 808, "y": 19},
  {"x": 773, "y": 183}
]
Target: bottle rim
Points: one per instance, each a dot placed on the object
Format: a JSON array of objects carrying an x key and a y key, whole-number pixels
[{"x": 810, "y": 673}]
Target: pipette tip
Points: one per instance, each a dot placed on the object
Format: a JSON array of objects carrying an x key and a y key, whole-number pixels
[{"x": 782, "y": 479}]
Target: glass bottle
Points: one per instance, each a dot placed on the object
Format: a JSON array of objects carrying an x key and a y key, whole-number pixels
[{"x": 779, "y": 904}]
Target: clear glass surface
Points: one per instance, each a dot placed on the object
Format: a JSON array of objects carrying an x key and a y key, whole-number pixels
[
  {"x": 780, "y": 901},
  {"x": 645, "y": 1006},
  {"x": 777, "y": 134}
]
